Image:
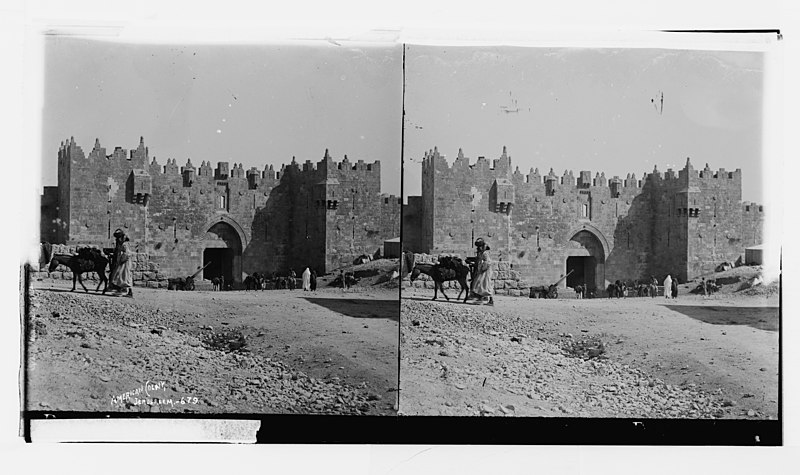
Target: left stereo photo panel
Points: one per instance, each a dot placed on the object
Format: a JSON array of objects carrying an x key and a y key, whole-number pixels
[{"x": 219, "y": 229}]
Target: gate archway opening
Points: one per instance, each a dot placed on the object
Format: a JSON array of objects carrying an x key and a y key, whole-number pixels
[
  {"x": 583, "y": 270},
  {"x": 586, "y": 259},
  {"x": 222, "y": 252}
]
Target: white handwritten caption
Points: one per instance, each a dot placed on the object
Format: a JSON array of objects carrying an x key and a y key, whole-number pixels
[{"x": 141, "y": 395}]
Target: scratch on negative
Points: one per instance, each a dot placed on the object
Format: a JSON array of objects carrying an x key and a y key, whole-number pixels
[
  {"x": 176, "y": 107},
  {"x": 411, "y": 458}
]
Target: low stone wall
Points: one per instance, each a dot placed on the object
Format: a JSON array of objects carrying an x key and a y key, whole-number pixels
[{"x": 506, "y": 280}]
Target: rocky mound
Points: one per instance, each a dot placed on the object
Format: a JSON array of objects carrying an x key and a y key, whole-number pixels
[
  {"x": 743, "y": 280},
  {"x": 379, "y": 272}
]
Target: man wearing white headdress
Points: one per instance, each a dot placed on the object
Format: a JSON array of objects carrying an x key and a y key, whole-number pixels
[
  {"x": 122, "y": 275},
  {"x": 307, "y": 279},
  {"x": 668, "y": 287},
  {"x": 482, "y": 284}
]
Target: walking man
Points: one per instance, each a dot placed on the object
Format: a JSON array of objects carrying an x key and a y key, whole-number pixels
[
  {"x": 482, "y": 285},
  {"x": 307, "y": 280},
  {"x": 122, "y": 276}
]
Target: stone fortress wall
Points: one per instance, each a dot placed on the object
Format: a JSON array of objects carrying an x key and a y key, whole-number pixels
[
  {"x": 603, "y": 229},
  {"x": 320, "y": 215}
]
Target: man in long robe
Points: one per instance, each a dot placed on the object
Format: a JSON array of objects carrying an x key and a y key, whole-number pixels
[
  {"x": 122, "y": 277},
  {"x": 668, "y": 287},
  {"x": 482, "y": 284},
  {"x": 307, "y": 280}
]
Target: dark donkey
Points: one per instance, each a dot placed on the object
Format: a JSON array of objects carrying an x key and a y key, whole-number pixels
[
  {"x": 87, "y": 260},
  {"x": 448, "y": 268}
]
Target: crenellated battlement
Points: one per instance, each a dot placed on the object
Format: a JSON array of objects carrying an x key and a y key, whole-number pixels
[
  {"x": 721, "y": 174},
  {"x": 70, "y": 150},
  {"x": 502, "y": 167},
  {"x": 311, "y": 213},
  {"x": 391, "y": 200},
  {"x": 139, "y": 158},
  {"x": 752, "y": 207}
]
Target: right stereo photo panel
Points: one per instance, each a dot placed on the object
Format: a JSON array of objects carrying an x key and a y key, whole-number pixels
[{"x": 583, "y": 235}]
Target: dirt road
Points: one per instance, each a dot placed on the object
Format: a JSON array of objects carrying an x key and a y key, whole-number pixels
[
  {"x": 321, "y": 352},
  {"x": 685, "y": 358}
]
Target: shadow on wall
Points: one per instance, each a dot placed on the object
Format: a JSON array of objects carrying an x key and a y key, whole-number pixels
[
  {"x": 268, "y": 248},
  {"x": 360, "y": 308},
  {"x": 288, "y": 232},
  {"x": 299, "y": 227},
  {"x": 760, "y": 318},
  {"x": 632, "y": 248}
]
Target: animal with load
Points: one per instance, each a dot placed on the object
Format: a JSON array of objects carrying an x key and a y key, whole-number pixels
[
  {"x": 254, "y": 282},
  {"x": 86, "y": 260},
  {"x": 447, "y": 269}
]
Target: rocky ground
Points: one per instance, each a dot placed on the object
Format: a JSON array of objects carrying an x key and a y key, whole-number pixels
[
  {"x": 636, "y": 357},
  {"x": 283, "y": 351}
]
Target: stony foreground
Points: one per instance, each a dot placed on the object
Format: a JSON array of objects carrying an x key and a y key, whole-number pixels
[
  {"x": 459, "y": 359},
  {"x": 88, "y": 352}
]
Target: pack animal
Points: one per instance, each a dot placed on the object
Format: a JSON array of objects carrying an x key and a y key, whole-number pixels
[
  {"x": 448, "y": 268},
  {"x": 642, "y": 289},
  {"x": 580, "y": 291},
  {"x": 654, "y": 288},
  {"x": 253, "y": 282},
  {"x": 181, "y": 284},
  {"x": 87, "y": 260}
]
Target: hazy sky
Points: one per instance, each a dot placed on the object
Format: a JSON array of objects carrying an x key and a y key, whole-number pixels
[
  {"x": 255, "y": 105},
  {"x": 565, "y": 108},
  {"x": 586, "y": 109}
]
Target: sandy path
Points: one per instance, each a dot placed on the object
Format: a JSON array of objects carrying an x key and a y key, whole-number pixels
[
  {"x": 725, "y": 347},
  {"x": 342, "y": 345}
]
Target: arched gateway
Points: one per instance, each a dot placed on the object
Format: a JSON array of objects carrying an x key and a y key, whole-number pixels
[
  {"x": 586, "y": 257},
  {"x": 222, "y": 249}
]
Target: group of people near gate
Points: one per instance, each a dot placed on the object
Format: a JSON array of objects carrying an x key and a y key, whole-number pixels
[
  {"x": 671, "y": 287},
  {"x": 482, "y": 287},
  {"x": 309, "y": 280},
  {"x": 121, "y": 276},
  {"x": 648, "y": 287}
]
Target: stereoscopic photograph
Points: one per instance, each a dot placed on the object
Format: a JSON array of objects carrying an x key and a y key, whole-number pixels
[
  {"x": 219, "y": 230},
  {"x": 583, "y": 235},
  {"x": 388, "y": 228}
]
